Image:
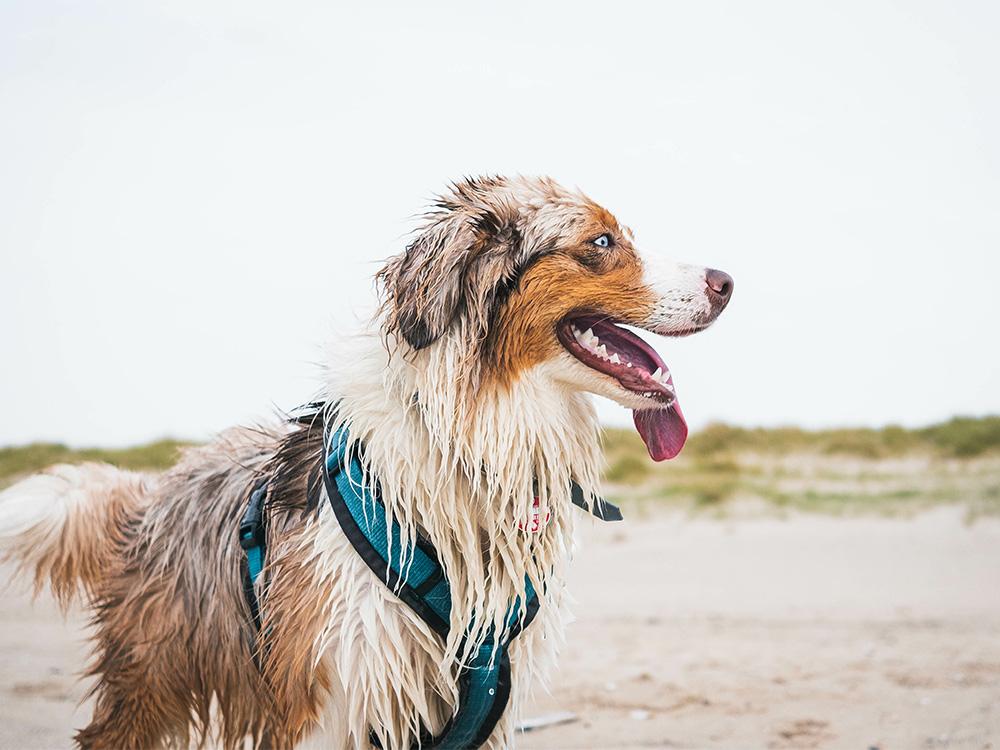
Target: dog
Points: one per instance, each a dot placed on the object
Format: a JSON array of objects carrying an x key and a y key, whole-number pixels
[{"x": 470, "y": 394}]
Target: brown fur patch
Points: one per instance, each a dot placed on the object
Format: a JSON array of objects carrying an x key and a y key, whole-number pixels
[{"x": 556, "y": 286}]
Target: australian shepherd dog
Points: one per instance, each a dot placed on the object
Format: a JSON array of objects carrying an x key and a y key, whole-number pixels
[{"x": 470, "y": 393}]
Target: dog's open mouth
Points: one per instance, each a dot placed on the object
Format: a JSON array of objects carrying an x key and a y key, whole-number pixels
[{"x": 618, "y": 353}]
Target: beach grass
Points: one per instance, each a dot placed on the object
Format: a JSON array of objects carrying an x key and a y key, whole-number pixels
[
  {"x": 890, "y": 470},
  {"x": 17, "y": 461}
]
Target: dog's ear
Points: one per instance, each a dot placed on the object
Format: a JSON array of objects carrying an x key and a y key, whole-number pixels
[
  {"x": 457, "y": 265},
  {"x": 423, "y": 285}
]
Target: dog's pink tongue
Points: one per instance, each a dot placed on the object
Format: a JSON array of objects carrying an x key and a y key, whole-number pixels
[{"x": 663, "y": 430}]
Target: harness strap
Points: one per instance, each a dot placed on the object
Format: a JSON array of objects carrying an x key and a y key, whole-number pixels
[
  {"x": 600, "y": 507},
  {"x": 414, "y": 574},
  {"x": 253, "y": 540}
]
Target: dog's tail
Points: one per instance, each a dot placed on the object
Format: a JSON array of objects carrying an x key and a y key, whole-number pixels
[{"x": 63, "y": 526}]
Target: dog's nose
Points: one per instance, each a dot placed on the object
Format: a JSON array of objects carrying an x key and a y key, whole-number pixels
[{"x": 720, "y": 287}]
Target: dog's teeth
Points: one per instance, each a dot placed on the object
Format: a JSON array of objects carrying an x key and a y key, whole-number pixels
[
  {"x": 628, "y": 364},
  {"x": 588, "y": 336},
  {"x": 616, "y": 359},
  {"x": 603, "y": 351},
  {"x": 656, "y": 375}
]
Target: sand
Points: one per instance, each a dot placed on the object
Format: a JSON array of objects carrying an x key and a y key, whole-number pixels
[{"x": 806, "y": 632}]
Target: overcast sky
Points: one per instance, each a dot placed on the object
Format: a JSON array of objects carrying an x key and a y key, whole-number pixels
[{"x": 195, "y": 196}]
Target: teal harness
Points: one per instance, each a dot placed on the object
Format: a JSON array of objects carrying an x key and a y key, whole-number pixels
[{"x": 414, "y": 574}]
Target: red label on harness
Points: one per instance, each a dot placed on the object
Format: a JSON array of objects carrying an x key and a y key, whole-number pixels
[{"x": 536, "y": 522}]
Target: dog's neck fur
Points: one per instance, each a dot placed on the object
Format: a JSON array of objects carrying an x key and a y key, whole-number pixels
[{"x": 465, "y": 467}]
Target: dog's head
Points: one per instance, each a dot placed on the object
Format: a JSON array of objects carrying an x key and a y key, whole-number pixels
[{"x": 522, "y": 273}]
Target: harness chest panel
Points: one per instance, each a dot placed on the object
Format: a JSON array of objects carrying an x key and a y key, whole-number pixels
[{"x": 415, "y": 575}]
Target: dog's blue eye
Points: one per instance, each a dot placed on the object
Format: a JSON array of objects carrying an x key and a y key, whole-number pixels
[{"x": 603, "y": 241}]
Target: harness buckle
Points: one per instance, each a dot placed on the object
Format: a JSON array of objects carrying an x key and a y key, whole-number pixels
[{"x": 252, "y": 525}]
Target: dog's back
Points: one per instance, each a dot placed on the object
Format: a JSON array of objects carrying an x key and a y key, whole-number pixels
[{"x": 156, "y": 558}]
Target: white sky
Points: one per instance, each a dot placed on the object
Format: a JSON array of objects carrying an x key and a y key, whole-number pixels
[{"x": 194, "y": 197}]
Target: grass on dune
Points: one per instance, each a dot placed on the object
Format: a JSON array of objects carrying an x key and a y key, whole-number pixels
[
  {"x": 888, "y": 470},
  {"x": 961, "y": 437},
  {"x": 839, "y": 471},
  {"x": 20, "y": 460}
]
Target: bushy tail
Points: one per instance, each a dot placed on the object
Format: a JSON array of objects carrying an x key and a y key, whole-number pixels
[{"x": 64, "y": 525}]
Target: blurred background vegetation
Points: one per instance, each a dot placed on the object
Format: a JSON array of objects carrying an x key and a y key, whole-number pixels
[
  {"x": 890, "y": 470},
  {"x": 20, "y": 460},
  {"x": 725, "y": 469}
]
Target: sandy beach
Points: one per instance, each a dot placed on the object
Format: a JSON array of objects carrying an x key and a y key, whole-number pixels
[{"x": 804, "y": 632}]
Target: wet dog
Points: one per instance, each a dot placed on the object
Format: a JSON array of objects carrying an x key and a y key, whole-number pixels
[{"x": 470, "y": 393}]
